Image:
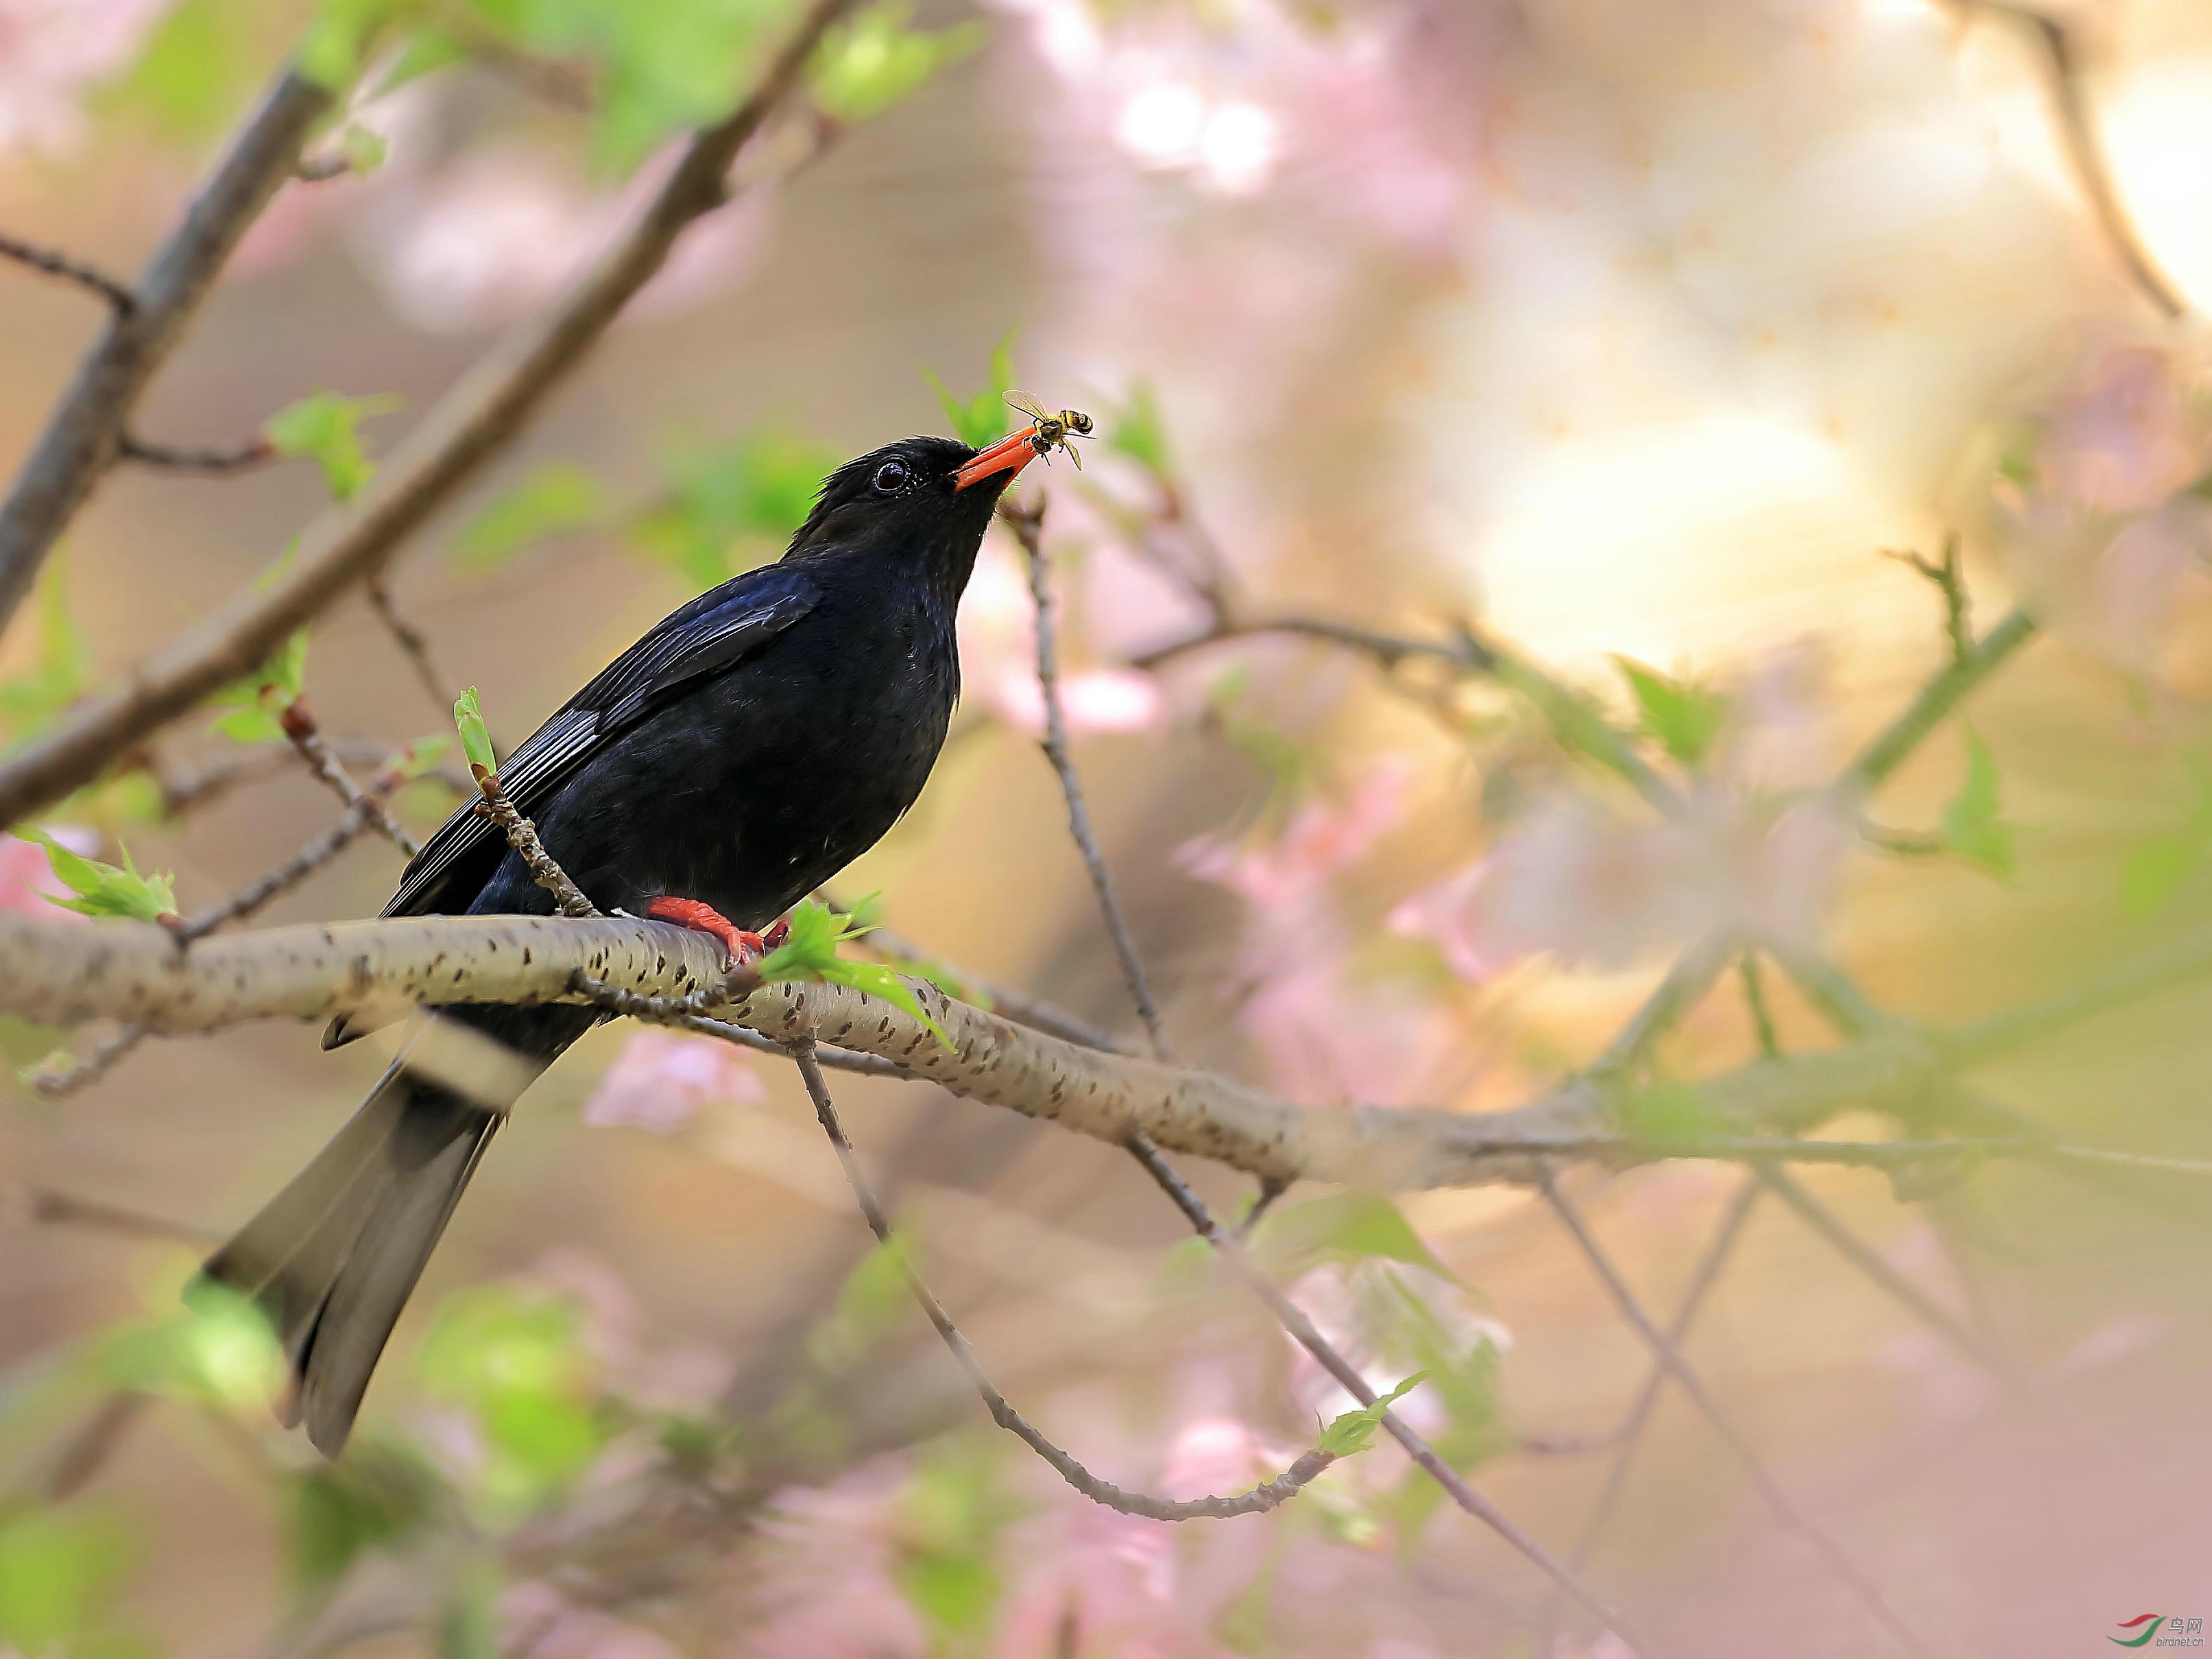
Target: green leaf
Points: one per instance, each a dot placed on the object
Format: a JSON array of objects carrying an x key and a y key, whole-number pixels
[
  {"x": 196, "y": 70},
  {"x": 337, "y": 37},
  {"x": 363, "y": 148},
  {"x": 957, "y": 1593},
  {"x": 102, "y": 890},
  {"x": 951, "y": 1513},
  {"x": 376, "y": 1498},
  {"x": 873, "y": 1300},
  {"x": 1136, "y": 431},
  {"x": 556, "y": 500},
  {"x": 1682, "y": 716},
  {"x": 2156, "y": 868},
  {"x": 1972, "y": 828},
  {"x": 258, "y": 702},
  {"x": 62, "y": 672},
  {"x": 982, "y": 420},
  {"x": 418, "y": 757},
  {"x": 1353, "y": 1431},
  {"x": 811, "y": 952},
  {"x": 475, "y": 736},
  {"x": 517, "y": 1362},
  {"x": 863, "y": 66},
  {"x": 1348, "y": 1226},
  {"x": 325, "y": 429},
  {"x": 469, "y": 1622},
  {"x": 731, "y": 506},
  {"x": 58, "y": 1572},
  {"x": 1672, "y": 1117}
]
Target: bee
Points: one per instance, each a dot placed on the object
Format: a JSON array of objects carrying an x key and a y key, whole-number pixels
[{"x": 1053, "y": 431}]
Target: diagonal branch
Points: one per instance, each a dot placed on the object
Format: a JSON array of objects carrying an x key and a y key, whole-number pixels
[
  {"x": 90, "y": 277},
  {"x": 219, "y": 460},
  {"x": 1779, "y": 1501},
  {"x": 85, "y": 432},
  {"x": 474, "y": 421}
]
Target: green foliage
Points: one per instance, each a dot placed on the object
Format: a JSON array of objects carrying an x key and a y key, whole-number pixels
[
  {"x": 475, "y": 736},
  {"x": 217, "y": 1349},
  {"x": 2158, "y": 865},
  {"x": 325, "y": 428},
  {"x": 1672, "y": 1117},
  {"x": 194, "y": 72},
  {"x": 258, "y": 702},
  {"x": 58, "y": 1572},
  {"x": 377, "y": 1496},
  {"x": 874, "y": 1297},
  {"x": 1354, "y": 1431},
  {"x": 1972, "y": 828},
  {"x": 555, "y": 500},
  {"x": 951, "y": 1516},
  {"x": 363, "y": 149},
  {"x": 1462, "y": 1379},
  {"x": 339, "y": 37},
  {"x": 877, "y": 60},
  {"x": 516, "y": 1362},
  {"x": 1136, "y": 431},
  {"x": 62, "y": 673},
  {"x": 811, "y": 952},
  {"x": 1682, "y": 716},
  {"x": 660, "y": 68},
  {"x": 469, "y": 1625},
  {"x": 982, "y": 420},
  {"x": 732, "y": 505},
  {"x": 102, "y": 890},
  {"x": 1349, "y": 1227}
]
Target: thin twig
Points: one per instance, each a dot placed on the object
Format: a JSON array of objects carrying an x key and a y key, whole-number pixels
[
  {"x": 1937, "y": 698},
  {"x": 1785, "y": 1510},
  {"x": 1685, "y": 985},
  {"x": 1308, "y": 1336},
  {"x": 1755, "y": 999},
  {"x": 299, "y": 723},
  {"x": 1028, "y": 524},
  {"x": 1848, "y": 1244},
  {"x": 1950, "y": 581},
  {"x": 57, "y": 1081},
  {"x": 1260, "y": 1499},
  {"x": 1630, "y": 1435},
  {"x": 43, "y": 1206},
  {"x": 87, "y": 1451},
  {"x": 522, "y": 836},
  {"x": 86, "y": 428},
  {"x": 282, "y": 879},
  {"x": 222, "y": 458},
  {"x": 415, "y": 645},
  {"x": 87, "y": 277}
]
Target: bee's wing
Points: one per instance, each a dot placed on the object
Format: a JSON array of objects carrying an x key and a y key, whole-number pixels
[
  {"x": 1028, "y": 405},
  {"x": 1074, "y": 455}
]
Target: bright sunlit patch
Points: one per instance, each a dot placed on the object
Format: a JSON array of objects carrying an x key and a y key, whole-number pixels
[
  {"x": 1162, "y": 124},
  {"x": 1687, "y": 539},
  {"x": 2158, "y": 135},
  {"x": 1238, "y": 153}
]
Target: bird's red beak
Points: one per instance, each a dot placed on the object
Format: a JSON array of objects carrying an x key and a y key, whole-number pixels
[{"x": 1009, "y": 454}]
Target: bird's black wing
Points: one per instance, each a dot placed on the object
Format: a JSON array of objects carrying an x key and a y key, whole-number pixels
[{"x": 711, "y": 634}]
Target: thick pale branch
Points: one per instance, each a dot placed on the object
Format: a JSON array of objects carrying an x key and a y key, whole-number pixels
[
  {"x": 470, "y": 424},
  {"x": 86, "y": 434}
]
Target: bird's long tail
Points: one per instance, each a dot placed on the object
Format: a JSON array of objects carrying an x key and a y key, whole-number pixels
[{"x": 333, "y": 1257}]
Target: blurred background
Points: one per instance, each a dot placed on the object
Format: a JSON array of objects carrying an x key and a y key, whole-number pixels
[{"x": 1621, "y": 328}]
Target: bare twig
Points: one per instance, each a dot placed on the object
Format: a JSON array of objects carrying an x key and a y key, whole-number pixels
[
  {"x": 1936, "y": 699},
  {"x": 1754, "y": 1000},
  {"x": 86, "y": 429},
  {"x": 57, "y": 1078},
  {"x": 1848, "y": 1244},
  {"x": 87, "y": 1451},
  {"x": 299, "y": 724},
  {"x": 1685, "y": 985},
  {"x": 1630, "y": 1435},
  {"x": 1785, "y": 1510},
  {"x": 1028, "y": 524},
  {"x": 1271, "y": 1495},
  {"x": 220, "y": 459},
  {"x": 522, "y": 836},
  {"x": 351, "y": 542},
  {"x": 43, "y": 1206},
  {"x": 1308, "y": 1336},
  {"x": 1951, "y": 582},
  {"x": 282, "y": 879},
  {"x": 415, "y": 645},
  {"x": 54, "y": 263}
]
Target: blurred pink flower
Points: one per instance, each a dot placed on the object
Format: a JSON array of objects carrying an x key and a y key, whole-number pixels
[
  {"x": 1323, "y": 839},
  {"x": 2108, "y": 585},
  {"x": 998, "y": 662},
  {"x": 554, "y": 1628},
  {"x": 27, "y": 880},
  {"x": 661, "y": 1078},
  {"x": 1589, "y": 888},
  {"x": 2129, "y": 434},
  {"x": 52, "y": 51},
  {"x": 826, "y": 1566}
]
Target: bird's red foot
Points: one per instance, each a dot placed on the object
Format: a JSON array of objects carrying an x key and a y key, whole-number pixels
[{"x": 742, "y": 947}]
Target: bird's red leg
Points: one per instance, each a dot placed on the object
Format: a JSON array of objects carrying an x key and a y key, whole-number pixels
[{"x": 743, "y": 947}]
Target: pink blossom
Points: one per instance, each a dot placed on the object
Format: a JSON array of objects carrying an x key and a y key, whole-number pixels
[
  {"x": 28, "y": 881},
  {"x": 1323, "y": 839},
  {"x": 2109, "y": 584},
  {"x": 558, "y": 1628},
  {"x": 661, "y": 1078},
  {"x": 52, "y": 51},
  {"x": 2128, "y": 434}
]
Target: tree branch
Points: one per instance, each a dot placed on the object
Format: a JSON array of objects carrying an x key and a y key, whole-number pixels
[
  {"x": 219, "y": 460},
  {"x": 89, "y": 277},
  {"x": 85, "y": 433},
  {"x": 474, "y": 420},
  {"x": 1936, "y": 699}
]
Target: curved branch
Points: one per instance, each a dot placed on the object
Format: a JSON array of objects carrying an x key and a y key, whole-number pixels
[
  {"x": 85, "y": 435},
  {"x": 470, "y": 424}
]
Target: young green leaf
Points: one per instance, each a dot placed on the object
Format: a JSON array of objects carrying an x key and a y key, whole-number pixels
[
  {"x": 64, "y": 668},
  {"x": 258, "y": 702},
  {"x": 729, "y": 506},
  {"x": 556, "y": 500},
  {"x": 982, "y": 420},
  {"x": 2156, "y": 868},
  {"x": 811, "y": 952},
  {"x": 1352, "y": 1432},
  {"x": 1972, "y": 828},
  {"x": 325, "y": 429},
  {"x": 1680, "y": 715},
  {"x": 1348, "y": 1226},
  {"x": 58, "y": 1575},
  {"x": 863, "y": 66},
  {"x": 1671, "y": 1116},
  {"x": 1136, "y": 431},
  {"x": 102, "y": 890},
  {"x": 475, "y": 738}
]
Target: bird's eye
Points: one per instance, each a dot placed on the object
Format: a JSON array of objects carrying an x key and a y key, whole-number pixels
[{"x": 890, "y": 477}]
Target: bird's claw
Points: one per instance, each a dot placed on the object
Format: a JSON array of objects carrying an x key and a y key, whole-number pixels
[{"x": 741, "y": 946}]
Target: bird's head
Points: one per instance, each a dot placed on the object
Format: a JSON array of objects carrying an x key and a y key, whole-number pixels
[{"x": 926, "y": 500}]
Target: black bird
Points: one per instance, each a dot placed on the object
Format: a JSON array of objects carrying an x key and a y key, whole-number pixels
[{"x": 752, "y": 745}]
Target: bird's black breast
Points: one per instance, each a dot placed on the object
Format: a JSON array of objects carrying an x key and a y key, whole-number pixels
[{"x": 759, "y": 783}]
